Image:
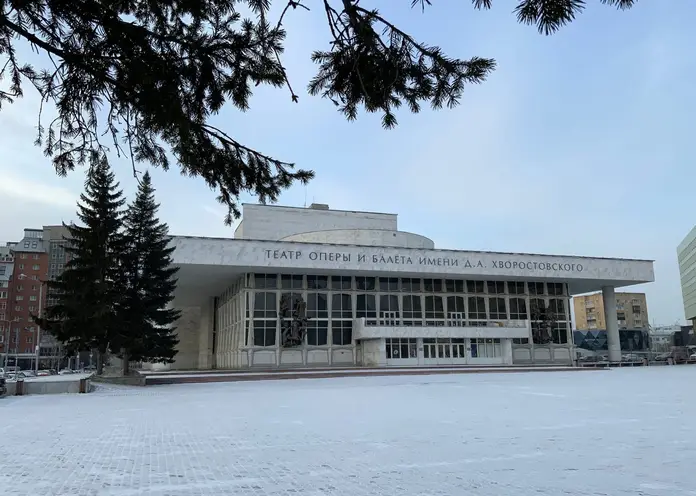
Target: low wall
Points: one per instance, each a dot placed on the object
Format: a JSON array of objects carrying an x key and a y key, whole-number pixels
[{"x": 71, "y": 385}]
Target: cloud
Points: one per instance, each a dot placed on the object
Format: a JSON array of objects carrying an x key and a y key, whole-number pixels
[{"x": 25, "y": 189}]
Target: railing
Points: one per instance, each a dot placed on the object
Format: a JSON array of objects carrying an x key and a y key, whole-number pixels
[{"x": 393, "y": 322}]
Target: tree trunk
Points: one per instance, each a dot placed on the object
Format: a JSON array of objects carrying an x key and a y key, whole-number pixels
[
  {"x": 100, "y": 362},
  {"x": 125, "y": 362}
]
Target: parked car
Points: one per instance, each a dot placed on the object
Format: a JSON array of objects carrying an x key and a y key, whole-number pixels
[
  {"x": 65, "y": 372},
  {"x": 43, "y": 373}
]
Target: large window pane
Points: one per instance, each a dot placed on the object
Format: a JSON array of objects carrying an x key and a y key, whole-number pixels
[
  {"x": 317, "y": 333},
  {"x": 265, "y": 305},
  {"x": 410, "y": 285},
  {"x": 288, "y": 281},
  {"x": 265, "y": 281},
  {"x": 389, "y": 309},
  {"x": 515, "y": 287},
  {"x": 317, "y": 305},
  {"x": 475, "y": 287},
  {"x": 365, "y": 283},
  {"x": 496, "y": 287},
  {"x": 366, "y": 307},
  {"x": 434, "y": 310},
  {"x": 342, "y": 332},
  {"x": 412, "y": 310},
  {"x": 388, "y": 283},
  {"x": 497, "y": 308},
  {"x": 341, "y": 306},
  {"x": 432, "y": 285},
  {"x": 518, "y": 309},
  {"x": 318, "y": 282},
  {"x": 477, "y": 308},
  {"x": 341, "y": 282},
  {"x": 454, "y": 286},
  {"x": 265, "y": 332},
  {"x": 557, "y": 308}
]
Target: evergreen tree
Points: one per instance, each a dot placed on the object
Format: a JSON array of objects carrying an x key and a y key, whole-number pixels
[
  {"x": 146, "y": 330},
  {"x": 88, "y": 291},
  {"x": 166, "y": 68}
]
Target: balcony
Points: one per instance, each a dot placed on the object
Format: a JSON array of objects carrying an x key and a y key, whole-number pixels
[{"x": 440, "y": 328}]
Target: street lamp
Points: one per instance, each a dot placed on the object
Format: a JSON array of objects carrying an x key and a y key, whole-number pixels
[{"x": 38, "y": 326}]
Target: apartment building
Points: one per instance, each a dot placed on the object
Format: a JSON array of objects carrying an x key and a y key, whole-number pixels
[
  {"x": 25, "y": 267},
  {"x": 631, "y": 311}
]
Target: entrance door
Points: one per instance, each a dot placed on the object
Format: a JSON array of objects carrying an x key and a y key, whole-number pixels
[{"x": 389, "y": 319}]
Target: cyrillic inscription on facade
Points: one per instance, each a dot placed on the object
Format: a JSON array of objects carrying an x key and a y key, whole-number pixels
[{"x": 412, "y": 260}]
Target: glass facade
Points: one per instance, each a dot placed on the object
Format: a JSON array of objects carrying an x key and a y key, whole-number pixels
[{"x": 250, "y": 315}]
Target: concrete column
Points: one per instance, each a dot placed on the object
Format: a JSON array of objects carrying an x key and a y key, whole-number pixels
[
  {"x": 613, "y": 340},
  {"x": 205, "y": 336}
]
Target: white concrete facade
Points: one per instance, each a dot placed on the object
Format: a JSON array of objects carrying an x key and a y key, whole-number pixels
[{"x": 372, "y": 295}]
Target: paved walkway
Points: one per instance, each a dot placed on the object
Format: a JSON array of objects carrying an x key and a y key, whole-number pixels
[{"x": 625, "y": 432}]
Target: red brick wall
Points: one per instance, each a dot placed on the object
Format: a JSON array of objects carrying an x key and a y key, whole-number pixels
[{"x": 34, "y": 267}]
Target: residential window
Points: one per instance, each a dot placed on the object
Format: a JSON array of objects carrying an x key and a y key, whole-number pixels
[
  {"x": 3, "y": 294},
  {"x": 3, "y": 305},
  {"x": 21, "y": 266},
  {"x": 22, "y": 256},
  {"x": 34, "y": 287},
  {"x": 35, "y": 267},
  {"x": 35, "y": 256},
  {"x": 34, "y": 277},
  {"x": 32, "y": 308},
  {"x": 30, "y": 339},
  {"x": 19, "y": 297},
  {"x": 32, "y": 298},
  {"x": 413, "y": 312},
  {"x": 17, "y": 309},
  {"x": 496, "y": 287},
  {"x": 496, "y": 308},
  {"x": 288, "y": 281},
  {"x": 365, "y": 283},
  {"x": 20, "y": 288}
]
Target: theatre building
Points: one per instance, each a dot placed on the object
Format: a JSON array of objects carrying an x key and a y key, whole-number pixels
[{"x": 314, "y": 287}]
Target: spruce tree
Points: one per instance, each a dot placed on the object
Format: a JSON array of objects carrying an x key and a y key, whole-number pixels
[
  {"x": 88, "y": 290},
  {"x": 147, "y": 332}
]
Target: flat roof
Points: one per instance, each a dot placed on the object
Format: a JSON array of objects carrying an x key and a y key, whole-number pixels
[
  {"x": 417, "y": 249},
  {"x": 209, "y": 265}
]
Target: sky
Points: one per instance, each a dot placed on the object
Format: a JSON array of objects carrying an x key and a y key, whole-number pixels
[{"x": 579, "y": 143}]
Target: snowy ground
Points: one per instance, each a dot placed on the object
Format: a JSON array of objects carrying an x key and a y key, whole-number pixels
[{"x": 620, "y": 432}]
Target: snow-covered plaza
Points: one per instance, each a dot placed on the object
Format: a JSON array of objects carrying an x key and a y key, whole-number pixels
[{"x": 625, "y": 431}]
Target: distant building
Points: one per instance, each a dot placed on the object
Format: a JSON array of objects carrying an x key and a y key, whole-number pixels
[
  {"x": 686, "y": 256},
  {"x": 25, "y": 266},
  {"x": 631, "y": 311}
]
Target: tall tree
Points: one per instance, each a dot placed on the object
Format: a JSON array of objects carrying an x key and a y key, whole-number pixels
[
  {"x": 88, "y": 291},
  {"x": 162, "y": 69},
  {"x": 146, "y": 330}
]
